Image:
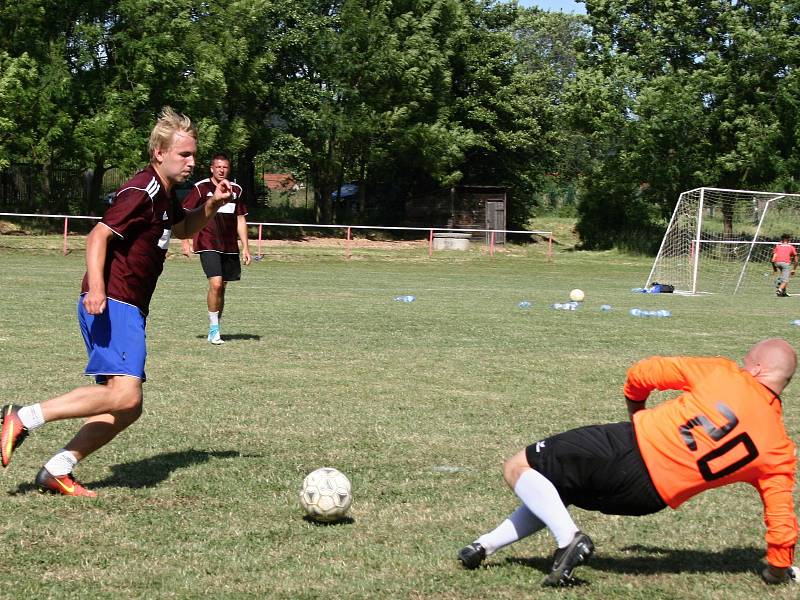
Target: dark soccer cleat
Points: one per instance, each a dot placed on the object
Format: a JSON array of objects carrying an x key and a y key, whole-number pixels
[
  {"x": 63, "y": 484},
  {"x": 13, "y": 432},
  {"x": 472, "y": 556},
  {"x": 566, "y": 559}
]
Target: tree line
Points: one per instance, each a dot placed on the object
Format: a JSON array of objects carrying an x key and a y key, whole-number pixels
[{"x": 630, "y": 104}]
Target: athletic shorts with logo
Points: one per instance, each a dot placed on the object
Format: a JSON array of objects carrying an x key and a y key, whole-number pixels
[{"x": 598, "y": 468}]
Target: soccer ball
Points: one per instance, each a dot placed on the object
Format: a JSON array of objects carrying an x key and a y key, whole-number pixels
[
  {"x": 577, "y": 295},
  {"x": 326, "y": 495}
]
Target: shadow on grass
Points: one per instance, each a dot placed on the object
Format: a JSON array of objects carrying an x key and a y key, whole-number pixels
[
  {"x": 151, "y": 471},
  {"x": 234, "y": 336},
  {"x": 147, "y": 472},
  {"x": 337, "y": 522},
  {"x": 664, "y": 560}
]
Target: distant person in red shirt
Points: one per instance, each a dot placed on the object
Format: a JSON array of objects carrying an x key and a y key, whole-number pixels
[
  {"x": 784, "y": 258},
  {"x": 125, "y": 255},
  {"x": 218, "y": 242},
  {"x": 726, "y": 427}
]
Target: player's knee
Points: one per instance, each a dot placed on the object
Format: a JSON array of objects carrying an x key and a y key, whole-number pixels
[
  {"x": 128, "y": 402},
  {"x": 217, "y": 285},
  {"x": 130, "y": 415},
  {"x": 126, "y": 397},
  {"x": 514, "y": 467}
]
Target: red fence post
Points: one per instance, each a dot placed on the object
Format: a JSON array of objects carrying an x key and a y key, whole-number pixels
[
  {"x": 66, "y": 231},
  {"x": 430, "y": 244},
  {"x": 259, "y": 240},
  {"x": 347, "y": 244}
]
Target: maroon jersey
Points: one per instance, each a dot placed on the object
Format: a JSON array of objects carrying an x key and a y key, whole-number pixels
[
  {"x": 142, "y": 217},
  {"x": 219, "y": 234}
]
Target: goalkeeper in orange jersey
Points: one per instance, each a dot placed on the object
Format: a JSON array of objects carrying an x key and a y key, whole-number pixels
[{"x": 726, "y": 427}]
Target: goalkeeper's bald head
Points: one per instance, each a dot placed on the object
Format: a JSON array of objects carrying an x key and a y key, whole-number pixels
[{"x": 772, "y": 362}]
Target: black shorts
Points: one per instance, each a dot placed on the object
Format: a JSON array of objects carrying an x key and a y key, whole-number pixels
[
  {"x": 598, "y": 468},
  {"x": 216, "y": 264}
]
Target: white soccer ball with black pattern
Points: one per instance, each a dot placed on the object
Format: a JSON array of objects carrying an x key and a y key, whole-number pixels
[{"x": 326, "y": 495}]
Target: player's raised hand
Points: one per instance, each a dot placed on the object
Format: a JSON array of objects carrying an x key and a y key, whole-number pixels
[{"x": 222, "y": 193}]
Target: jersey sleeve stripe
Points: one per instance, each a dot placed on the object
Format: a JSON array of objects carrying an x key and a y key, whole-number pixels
[{"x": 114, "y": 231}]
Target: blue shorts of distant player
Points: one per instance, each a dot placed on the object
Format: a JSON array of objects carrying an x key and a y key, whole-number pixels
[
  {"x": 115, "y": 340},
  {"x": 786, "y": 269}
]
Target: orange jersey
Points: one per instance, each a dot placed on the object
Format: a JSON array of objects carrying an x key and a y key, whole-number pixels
[{"x": 725, "y": 428}]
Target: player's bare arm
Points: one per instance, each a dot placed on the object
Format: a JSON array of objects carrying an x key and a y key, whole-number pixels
[
  {"x": 96, "y": 250},
  {"x": 241, "y": 227},
  {"x": 197, "y": 218}
]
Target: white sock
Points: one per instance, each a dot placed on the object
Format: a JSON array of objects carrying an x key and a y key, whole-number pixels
[
  {"x": 213, "y": 318},
  {"x": 31, "y": 416},
  {"x": 542, "y": 499},
  {"x": 520, "y": 524},
  {"x": 61, "y": 464}
]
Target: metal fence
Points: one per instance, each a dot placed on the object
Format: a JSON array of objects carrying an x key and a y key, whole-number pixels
[
  {"x": 34, "y": 188},
  {"x": 346, "y": 230}
]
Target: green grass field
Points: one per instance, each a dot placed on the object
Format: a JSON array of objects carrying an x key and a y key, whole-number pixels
[{"x": 417, "y": 403}]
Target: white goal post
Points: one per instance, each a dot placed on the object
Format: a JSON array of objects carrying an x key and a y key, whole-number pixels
[{"x": 721, "y": 241}]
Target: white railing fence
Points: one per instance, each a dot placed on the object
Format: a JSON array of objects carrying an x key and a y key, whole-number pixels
[{"x": 347, "y": 229}]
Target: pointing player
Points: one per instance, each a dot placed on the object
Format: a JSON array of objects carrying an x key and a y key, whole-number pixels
[
  {"x": 218, "y": 242},
  {"x": 725, "y": 427},
  {"x": 125, "y": 255}
]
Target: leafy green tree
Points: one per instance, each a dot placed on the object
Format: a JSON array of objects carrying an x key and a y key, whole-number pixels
[
  {"x": 701, "y": 92},
  {"x": 511, "y": 71}
]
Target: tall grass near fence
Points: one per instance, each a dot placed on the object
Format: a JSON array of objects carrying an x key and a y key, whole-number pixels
[{"x": 417, "y": 403}]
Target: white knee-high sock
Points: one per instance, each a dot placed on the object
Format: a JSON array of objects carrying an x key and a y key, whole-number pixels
[
  {"x": 213, "y": 318},
  {"x": 519, "y": 524},
  {"x": 542, "y": 499}
]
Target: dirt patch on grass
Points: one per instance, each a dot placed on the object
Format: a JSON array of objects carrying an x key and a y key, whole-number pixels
[
  {"x": 341, "y": 243},
  {"x": 9, "y": 228}
]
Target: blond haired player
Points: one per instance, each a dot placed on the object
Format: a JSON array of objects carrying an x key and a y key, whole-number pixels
[{"x": 125, "y": 255}]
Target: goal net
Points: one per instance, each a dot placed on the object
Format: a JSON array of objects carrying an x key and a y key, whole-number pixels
[{"x": 721, "y": 241}]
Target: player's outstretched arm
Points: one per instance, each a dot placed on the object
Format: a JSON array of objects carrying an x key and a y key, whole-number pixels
[{"x": 197, "y": 218}]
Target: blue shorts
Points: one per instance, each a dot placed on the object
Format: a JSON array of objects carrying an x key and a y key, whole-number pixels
[{"x": 115, "y": 340}]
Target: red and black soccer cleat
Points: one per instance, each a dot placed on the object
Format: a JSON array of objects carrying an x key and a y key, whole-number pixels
[
  {"x": 66, "y": 485},
  {"x": 13, "y": 432}
]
